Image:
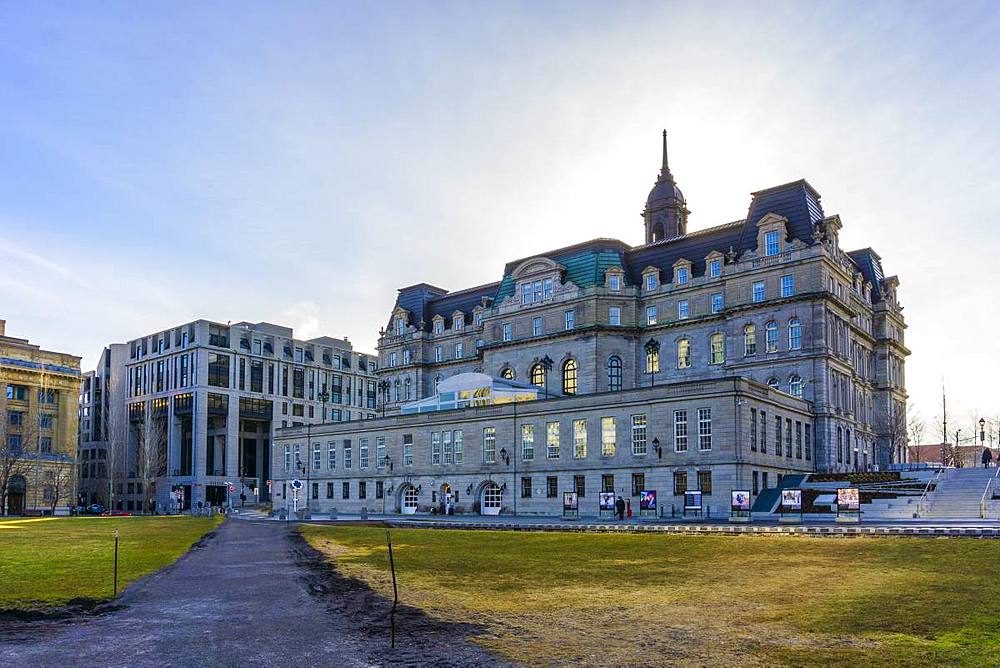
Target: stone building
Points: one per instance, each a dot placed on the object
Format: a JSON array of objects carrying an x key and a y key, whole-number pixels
[
  {"x": 770, "y": 300},
  {"x": 38, "y": 427},
  {"x": 215, "y": 393}
]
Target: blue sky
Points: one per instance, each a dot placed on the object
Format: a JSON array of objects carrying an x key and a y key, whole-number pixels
[{"x": 299, "y": 162}]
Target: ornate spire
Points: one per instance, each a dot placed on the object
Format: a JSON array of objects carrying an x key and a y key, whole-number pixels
[{"x": 665, "y": 174}]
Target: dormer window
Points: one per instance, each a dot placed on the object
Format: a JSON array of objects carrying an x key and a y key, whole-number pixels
[
  {"x": 650, "y": 282},
  {"x": 714, "y": 268},
  {"x": 479, "y": 319},
  {"x": 458, "y": 322},
  {"x": 400, "y": 326},
  {"x": 534, "y": 292},
  {"x": 438, "y": 327},
  {"x": 614, "y": 282},
  {"x": 682, "y": 275},
  {"x": 772, "y": 243}
]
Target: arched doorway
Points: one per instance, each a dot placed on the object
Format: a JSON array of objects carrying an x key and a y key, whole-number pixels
[
  {"x": 16, "y": 491},
  {"x": 447, "y": 504},
  {"x": 408, "y": 498},
  {"x": 491, "y": 499}
]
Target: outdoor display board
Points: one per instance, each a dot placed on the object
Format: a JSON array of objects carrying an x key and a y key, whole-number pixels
[
  {"x": 791, "y": 499},
  {"x": 740, "y": 501},
  {"x": 647, "y": 500},
  {"x": 570, "y": 502},
  {"x": 607, "y": 501},
  {"x": 848, "y": 499},
  {"x": 692, "y": 500}
]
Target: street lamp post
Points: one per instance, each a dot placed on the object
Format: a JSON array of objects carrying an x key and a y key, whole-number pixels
[
  {"x": 383, "y": 388},
  {"x": 386, "y": 463},
  {"x": 299, "y": 466},
  {"x": 982, "y": 430}
]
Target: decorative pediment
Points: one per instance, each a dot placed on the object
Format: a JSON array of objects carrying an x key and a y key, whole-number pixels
[{"x": 536, "y": 266}]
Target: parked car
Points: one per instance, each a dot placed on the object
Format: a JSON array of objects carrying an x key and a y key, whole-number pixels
[{"x": 92, "y": 509}]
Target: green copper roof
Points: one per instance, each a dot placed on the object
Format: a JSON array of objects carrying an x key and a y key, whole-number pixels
[{"x": 584, "y": 268}]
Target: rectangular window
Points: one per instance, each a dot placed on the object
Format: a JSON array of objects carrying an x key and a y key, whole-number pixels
[
  {"x": 446, "y": 443},
  {"x": 507, "y": 335},
  {"x": 551, "y": 486},
  {"x": 798, "y": 440},
  {"x": 345, "y": 490},
  {"x": 756, "y": 484},
  {"x": 705, "y": 482},
  {"x": 363, "y": 453},
  {"x": 317, "y": 457},
  {"x": 650, "y": 315},
  {"x": 787, "y": 285},
  {"x": 331, "y": 456},
  {"x": 777, "y": 435},
  {"x": 379, "y": 452},
  {"x": 683, "y": 311},
  {"x": 788, "y": 437},
  {"x": 639, "y": 434},
  {"x": 348, "y": 454},
  {"x": 536, "y": 326},
  {"x": 615, "y": 282},
  {"x": 608, "y": 441},
  {"x": 717, "y": 303},
  {"x": 552, "y": 440},
  {"x": 579, "y": 439},
  {"x": 763, "y": 480},
  {"x": 763, "y": 432},
  {"x": 650, "y": 281},
  {"x": 680, "y": 431},
  {"x": 435, "y": 448},
  {"x": 638, "y": 483},
  {"x": 288, "y": 457},
  {"x": 406, "y": 357},
  {"x": 808, "y": 442},
  {"x": 393, "y": 358},
  {"x": 218, "y": 370},
  {"x": 379, "y": 489},
  {"x": 570, "y": 319},
  {"x": 753, "y": 429},
  {"x": 362, "y": 489},
  {"x": 489, "y": 445},
  {"x": 527, "y": 442},
  {"x": 329, "y": 490},
  {"x": 315, "y": 490},
  {"x": 715, "y": 268},
  {"x": 459, "y": 351},
  {"x": 771, "y": 246},
  {"x": 407, "y": 449},
  {"x": 704, "y": 428},
  {"x": 607, "y": 483},
  {"x": 615, "y": 316},
  {"x": 298, "y": 383},
  {"x": 580, "y": 485},
  {"x": 438, "y": 354},
  {"x": 680, "y": 482},
  {"x": 525, "y": 488},
  {"x": 758, "y": 291},
  {"x": 457, "y": 437},
  {"x": 682, "y": 275}
]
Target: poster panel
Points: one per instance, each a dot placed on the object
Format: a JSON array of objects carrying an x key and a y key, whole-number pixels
[
  {"x": 848, "y": 499},
  {"x": 791, "y": 499},
  {"x": 607, "y": 501},
  {"x": 647, "y": 499},
  {"x": 692, "y": 500},
  {"x": 570, "y": 501},
  {"x": 740, "y": 500}
]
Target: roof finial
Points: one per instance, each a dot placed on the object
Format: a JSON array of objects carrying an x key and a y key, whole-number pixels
[{"x": 665, "y": 169}]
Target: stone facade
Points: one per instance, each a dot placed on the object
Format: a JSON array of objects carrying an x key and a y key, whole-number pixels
[
  {"x": 216, "y": 393},
  {"x": 729, "y": 439},
  {"x": 38, "y": 426}
]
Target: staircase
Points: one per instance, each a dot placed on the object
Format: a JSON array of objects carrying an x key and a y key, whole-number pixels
[{"x": 958, "y": 494}]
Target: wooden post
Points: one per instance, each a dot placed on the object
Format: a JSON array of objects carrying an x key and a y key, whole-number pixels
[
  {"x": 115, "y": 588},
  {"x": 395, "y": 593}
]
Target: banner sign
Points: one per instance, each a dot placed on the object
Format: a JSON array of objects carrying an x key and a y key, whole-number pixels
[
  {"x": 740, "y": 501},
  {"x": 791, "y": 499},
  {"x": 570, "y": 501},
  {"x": 692, "y": 500},
  {"x": 607, "y": 501},
  {"x": 647, "y": 499},
  {"x": 848, "y": 499}
]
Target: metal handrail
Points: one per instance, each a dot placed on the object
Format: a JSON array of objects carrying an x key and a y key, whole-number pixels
[
  {"x": 982, "y": 499},
  {"x": 927, "y": 488}
]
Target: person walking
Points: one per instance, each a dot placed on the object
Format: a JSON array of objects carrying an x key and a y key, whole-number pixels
[
  {"x": 628, "y": 508},
  {"x": 620, "y": 508},
  {"x": 987, "y": 457}
]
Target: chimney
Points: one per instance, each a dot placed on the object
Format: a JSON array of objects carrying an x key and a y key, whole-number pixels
[{"x": 3, "y": 327}]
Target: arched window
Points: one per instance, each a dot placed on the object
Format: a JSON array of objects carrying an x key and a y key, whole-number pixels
[
  {"x": 794, "y": 334},
  {"x": 771, "y": 336},
  {"x": 772, "y": 382},
  {"x": 538, "y": 375},
  {"x": 399, "y": 396},
  {"x": 507, "y": 373},
  {"x": 749, "y": 340},
  {"x": 718, "y": 345},
  {"x": 795, "y": 385},
  {"x": 614, "y": 374},
  {"x": 653, "y": 360},
  {"x": 409, "y": 389},
  {"x": 569, "y": 377},
  {"x": 684, "y": 354}
]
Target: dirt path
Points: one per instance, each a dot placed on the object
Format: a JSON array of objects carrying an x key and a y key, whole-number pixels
[{"x": 254, "y": 595}]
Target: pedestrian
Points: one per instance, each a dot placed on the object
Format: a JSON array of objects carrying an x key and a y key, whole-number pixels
[
  {"x": 987, "y": 457},
  {"x": 620, "y": 508},
  {"x": 628, "y": 508}
]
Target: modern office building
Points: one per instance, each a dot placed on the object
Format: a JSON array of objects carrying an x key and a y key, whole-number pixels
[
  {"x": 38, "y": 427},
  {"x": 103, "y": 430},
  {"x": 757, "y": 334},
  {"x": 204, "y": 399}
]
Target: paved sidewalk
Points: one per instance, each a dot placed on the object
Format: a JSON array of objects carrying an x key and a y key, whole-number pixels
[{"x": 250, "y": 596}]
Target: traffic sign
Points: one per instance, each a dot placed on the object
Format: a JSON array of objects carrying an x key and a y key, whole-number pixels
[{"x": 296, "y": 484}]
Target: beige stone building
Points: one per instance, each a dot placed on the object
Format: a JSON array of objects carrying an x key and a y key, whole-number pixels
[{"x": 38, "y": 433}]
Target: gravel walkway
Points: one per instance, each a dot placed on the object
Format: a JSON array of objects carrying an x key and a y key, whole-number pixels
[{"x": 254, "y": 594}]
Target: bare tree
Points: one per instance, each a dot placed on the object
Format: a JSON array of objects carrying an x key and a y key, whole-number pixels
[
  {"x": 891, "y": 424},
  {"x": 60, "y": 484},
  {"x": 114, "y": 433},
  {"x": 151, "y": 439},
  {"x": 916, "y": 429}
]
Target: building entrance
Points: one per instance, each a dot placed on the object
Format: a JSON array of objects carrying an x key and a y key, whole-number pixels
[
  {"x": 492, "y": 499},
  {"x": 447, "y": 504},
  {"x": 15, "y": 495},
  {"x": 409, "y": 505}
]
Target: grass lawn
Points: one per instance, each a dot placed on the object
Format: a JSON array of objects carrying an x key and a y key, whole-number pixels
[
  {"x": 50, "y": 561},
  {"x": 560, "y": 598}
]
